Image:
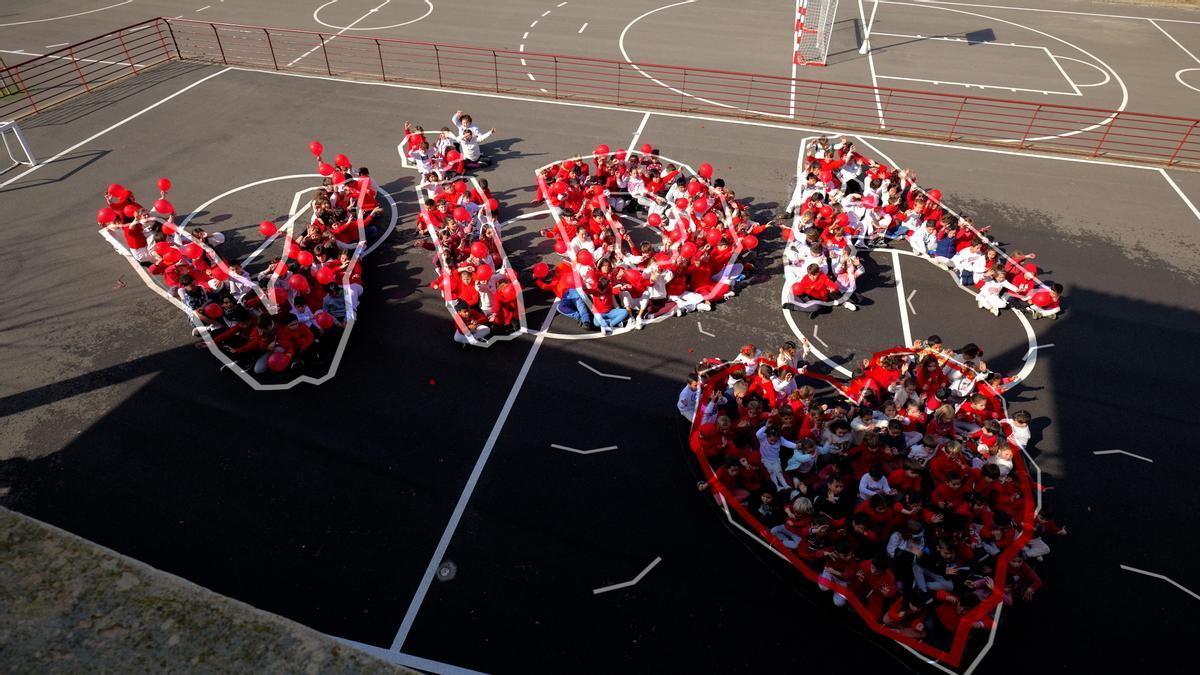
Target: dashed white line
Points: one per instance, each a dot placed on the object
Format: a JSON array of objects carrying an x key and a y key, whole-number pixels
[
  {"x": 61, "y": 44},
  {"x": 704, "y": 332},
  {"x": 543, "y": 90},
  {"x": 615, "y": 377},
  {"x": 522, "y": 48},
  {"x": 523, "y": 62},
  {"x": 324, "y": 42},
  {"x": 203, "y": 8},
  {"x": 627, "y": 584},
  {"x": 1167, "y": 579},
  {"x": 547, "y": 12},
  {"x": 1122, "y": 452},
  {"x": 583, "y": 27},
  {"x": 534, "y": 24},
  {"x": 531, "y": 76},
  {"x": 560, "y": 4},
  {"x": 525, "y": 36}
]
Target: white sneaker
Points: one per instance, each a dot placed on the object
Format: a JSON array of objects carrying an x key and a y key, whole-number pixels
[
  {"x": 995, "y": 311},
  {"x": 729, "y": 295},
  {"x": 678, "y": 312},
  {"x": 638, "y": 325},
  {"x": 704, "y": 307},
  {"x": 850, "y": 306}
]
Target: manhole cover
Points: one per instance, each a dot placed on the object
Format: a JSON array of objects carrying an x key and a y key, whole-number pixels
[{"x": 446, "y": 571}]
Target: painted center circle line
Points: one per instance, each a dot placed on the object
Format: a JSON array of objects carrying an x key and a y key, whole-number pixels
[
  {"x": 317, "y": 18},
  {"x": 1179, "y": 77}
]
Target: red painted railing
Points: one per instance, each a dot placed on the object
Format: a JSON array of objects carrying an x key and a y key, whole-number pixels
[
  {"x": 1091, "y": 132},
  {"x": 43, "y": 81}
]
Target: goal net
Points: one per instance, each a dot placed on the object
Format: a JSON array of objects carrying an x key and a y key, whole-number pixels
[
  {"x": 814, "y": 30},
  {"x": 15, "y": 146}
]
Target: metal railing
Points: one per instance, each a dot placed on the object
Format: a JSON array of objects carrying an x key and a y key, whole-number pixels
[
  {"x": 43, "y": 81},
  {"x": 1091, "y": 132}
]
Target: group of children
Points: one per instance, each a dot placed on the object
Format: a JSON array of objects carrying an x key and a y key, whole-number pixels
[
  {"x": 285, "y": 316},
  {"x": 696, "y": 247},
  {"x": 849, "y": 201},
  {"x": 903, "y": 489}
]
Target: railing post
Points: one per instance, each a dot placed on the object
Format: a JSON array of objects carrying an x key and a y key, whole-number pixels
[
  {"x": 382, "y": 70},
  {"x": 683, "y": 91},
  {"x": 71, "y": 53},
  {"x": 1182, "y": 142},
  {"x": 121, "y": 39},
  {"x": 174, "y": 39},
  {"x": 219, "y": 45},
  {"x": 1025, "y": 136},
  {"x": 555, "y": 77},
  {"x": 1112, "y": 122},
  {"x": 158, "y": 27},
  {"x": 749, "y": 94},
  {"x": 816, "y": 103},
  {"x": 619, "y": 84},
  {"x": 496, "y": 70},
  {"x": 271, "y": 46},
  {"x": 438, "y": 58},
  {"x": 21, "y": 84},
  {"x": 950, "y": 136},
  {"x": 324, "y": 51}
]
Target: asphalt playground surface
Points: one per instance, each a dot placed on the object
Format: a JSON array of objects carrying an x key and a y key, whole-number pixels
[{"x": 330, "y": 505}]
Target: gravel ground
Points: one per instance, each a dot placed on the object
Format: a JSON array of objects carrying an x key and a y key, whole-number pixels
[{"x": 70, "y": 606}]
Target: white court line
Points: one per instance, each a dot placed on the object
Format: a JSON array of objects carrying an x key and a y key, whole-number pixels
[
  {"x": 899, "y": 277},
  {"x": 631, "y": 582},
  {"x": 583, "y": 27},
  {"x": 534, "y": 24},
  {"x": 638, "y": 134},
  {"x": 203, "y": 8},
  {"x": 547, "y": 12},
  {"x": 704, "y": 332},
  {"x": 1051, "y": 11},
  {"x": 118, "y": 124},
  {"x": 428, "y": 11},
  {"x": 1167, "y": 579},
  {"x": 61, "y": 44},
  {"x": 1172, "y": 39},
  {"x": 969, "y": 85},
  {"x": 871, "y": 64},
  {"x": 65, "y": 16},
  {"x": 828, "y": 131},
  {"x": 560, "y": 4},
  {"x": 1184, "y": 197},
  {"x": 1058, "y": 65},
  {"x": 615, "y": 377},
  {"x": 577, "y": 451},
  {"x": 324, "y": 42},
  {"x": 439, "y": 553},
  {"x": 910, "y": 305},
  {"x": 409, "y": 660},
  {"x": 1122, "y": 452}
]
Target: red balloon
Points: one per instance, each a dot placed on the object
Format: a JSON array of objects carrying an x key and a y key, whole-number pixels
[
  {"x": 705, "y": 170},
  {"x": 688, "y": 249},
  {"x": 162, "y": 247},
  {"x": 460, "y": 187},
  {"x": 316, "y": 148},
  {"x": 298, "y": 283},
  {"x": 560, "y": 247},
  {"x": 797, "y": 288},
  {"x": 540, "y": 270},
  {"x": 279, "y": 295},
  {"x": 105, "y": 216},
  {"x": 461, "y": 214},
  {"x": 280, "y": 268},
  {"x": 681, "y": 203},
  {"x": 193, "y": 250},
  {"x": 163, "y": 206},
  {"x": 935, "y": 195},
  {"x": 602, "y": 150},
  {"x": 654, "y": 220},
  {"x": 701, "y": 205},
  {"x": 266, "y": 228},
  {"x": 493, "y": 204},
  {"x": 342, "y": 161},
  {"x": 164, "y": 184},
  {"x": 585, "y": 257},
  {"x": 483, "y": 273},
  {"x": 325, "y": 169},
  {"x": 597, "y": 190},
  {"x": 694, "y": 188},
  {"x": 130, "y": 210},
  {"x": 709, "y": 219},
  {"x": 169, "y": 228},
  {"x": 324, "y": 275},
  {"x": 338, "y": 177},
  {"x": 304, "y": 258},
  {"x": 453, "y": 156},
  {"x": 647, "y": 148},
  {"x": 293, "y": 249},
  {"x": 507, "y": 293},
  {"x": 632, "y": 276},
  {"x": 279, "y": 361},
  {"x": 201, "y": 264},
  {"x": 479, "y": 249},
  {"x": 324, "y": 319},
  {"x": 787, "y": 234},
  {"x": 218, "y": 272},
  {"x": 568, "y": 165},
  {"x": 172, "y": 256},
  {"x": 827, "y": 212},
  {"x": 842, "y": 219},
  {"x": 115, "y": 190},
  {"x": 712, "y": 236},
  {"x": 620, "y": 155},
  {"x": 750, "y": 242},
  {"x": 663, "y": 258},
  {"x": 212, "y": 310}
]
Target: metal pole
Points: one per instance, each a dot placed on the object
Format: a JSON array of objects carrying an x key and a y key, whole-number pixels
[
  {"x": 749, "y": 93},
  {"x": 1107, "y": 128},
  {"x": 271, "y": 46},
  {"x": 555, "y": 77},
  {"x": 219, "y": 45},
  {"x": 683, "y": 90},
  {"x": 496, "y": 69},
  {"x": 618, "y": 84},
  {"x": 1033, "y": 119},
  {"x": 21, "y": 83},
  {"x": 1182, "y": 143},
  {"x": 174, "y": 40},
  {"x": 950, "y": 136},
  {"x": 121, "y": 39},
  {"x": 158, "y": 27},
  {"x": 382, "y": 71},
  {"x": 438, "y": 57},
  {"x": 71, "y": 53},
  {"x": 326, "y": 53}
]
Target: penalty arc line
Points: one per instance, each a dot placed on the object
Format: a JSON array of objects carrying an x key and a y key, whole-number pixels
[
  {"x": 615, "y": 377},
  {"x": 1122, "y": 452},
  {"x": 704, "y": 332},
  {"x": 577, "y": 451},
  {"x": 439, "y": 553},
  {"x": 909, "y": 299},
  {"x": 1163, "y": 577},
  {"x": 631, "y": 582}
]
